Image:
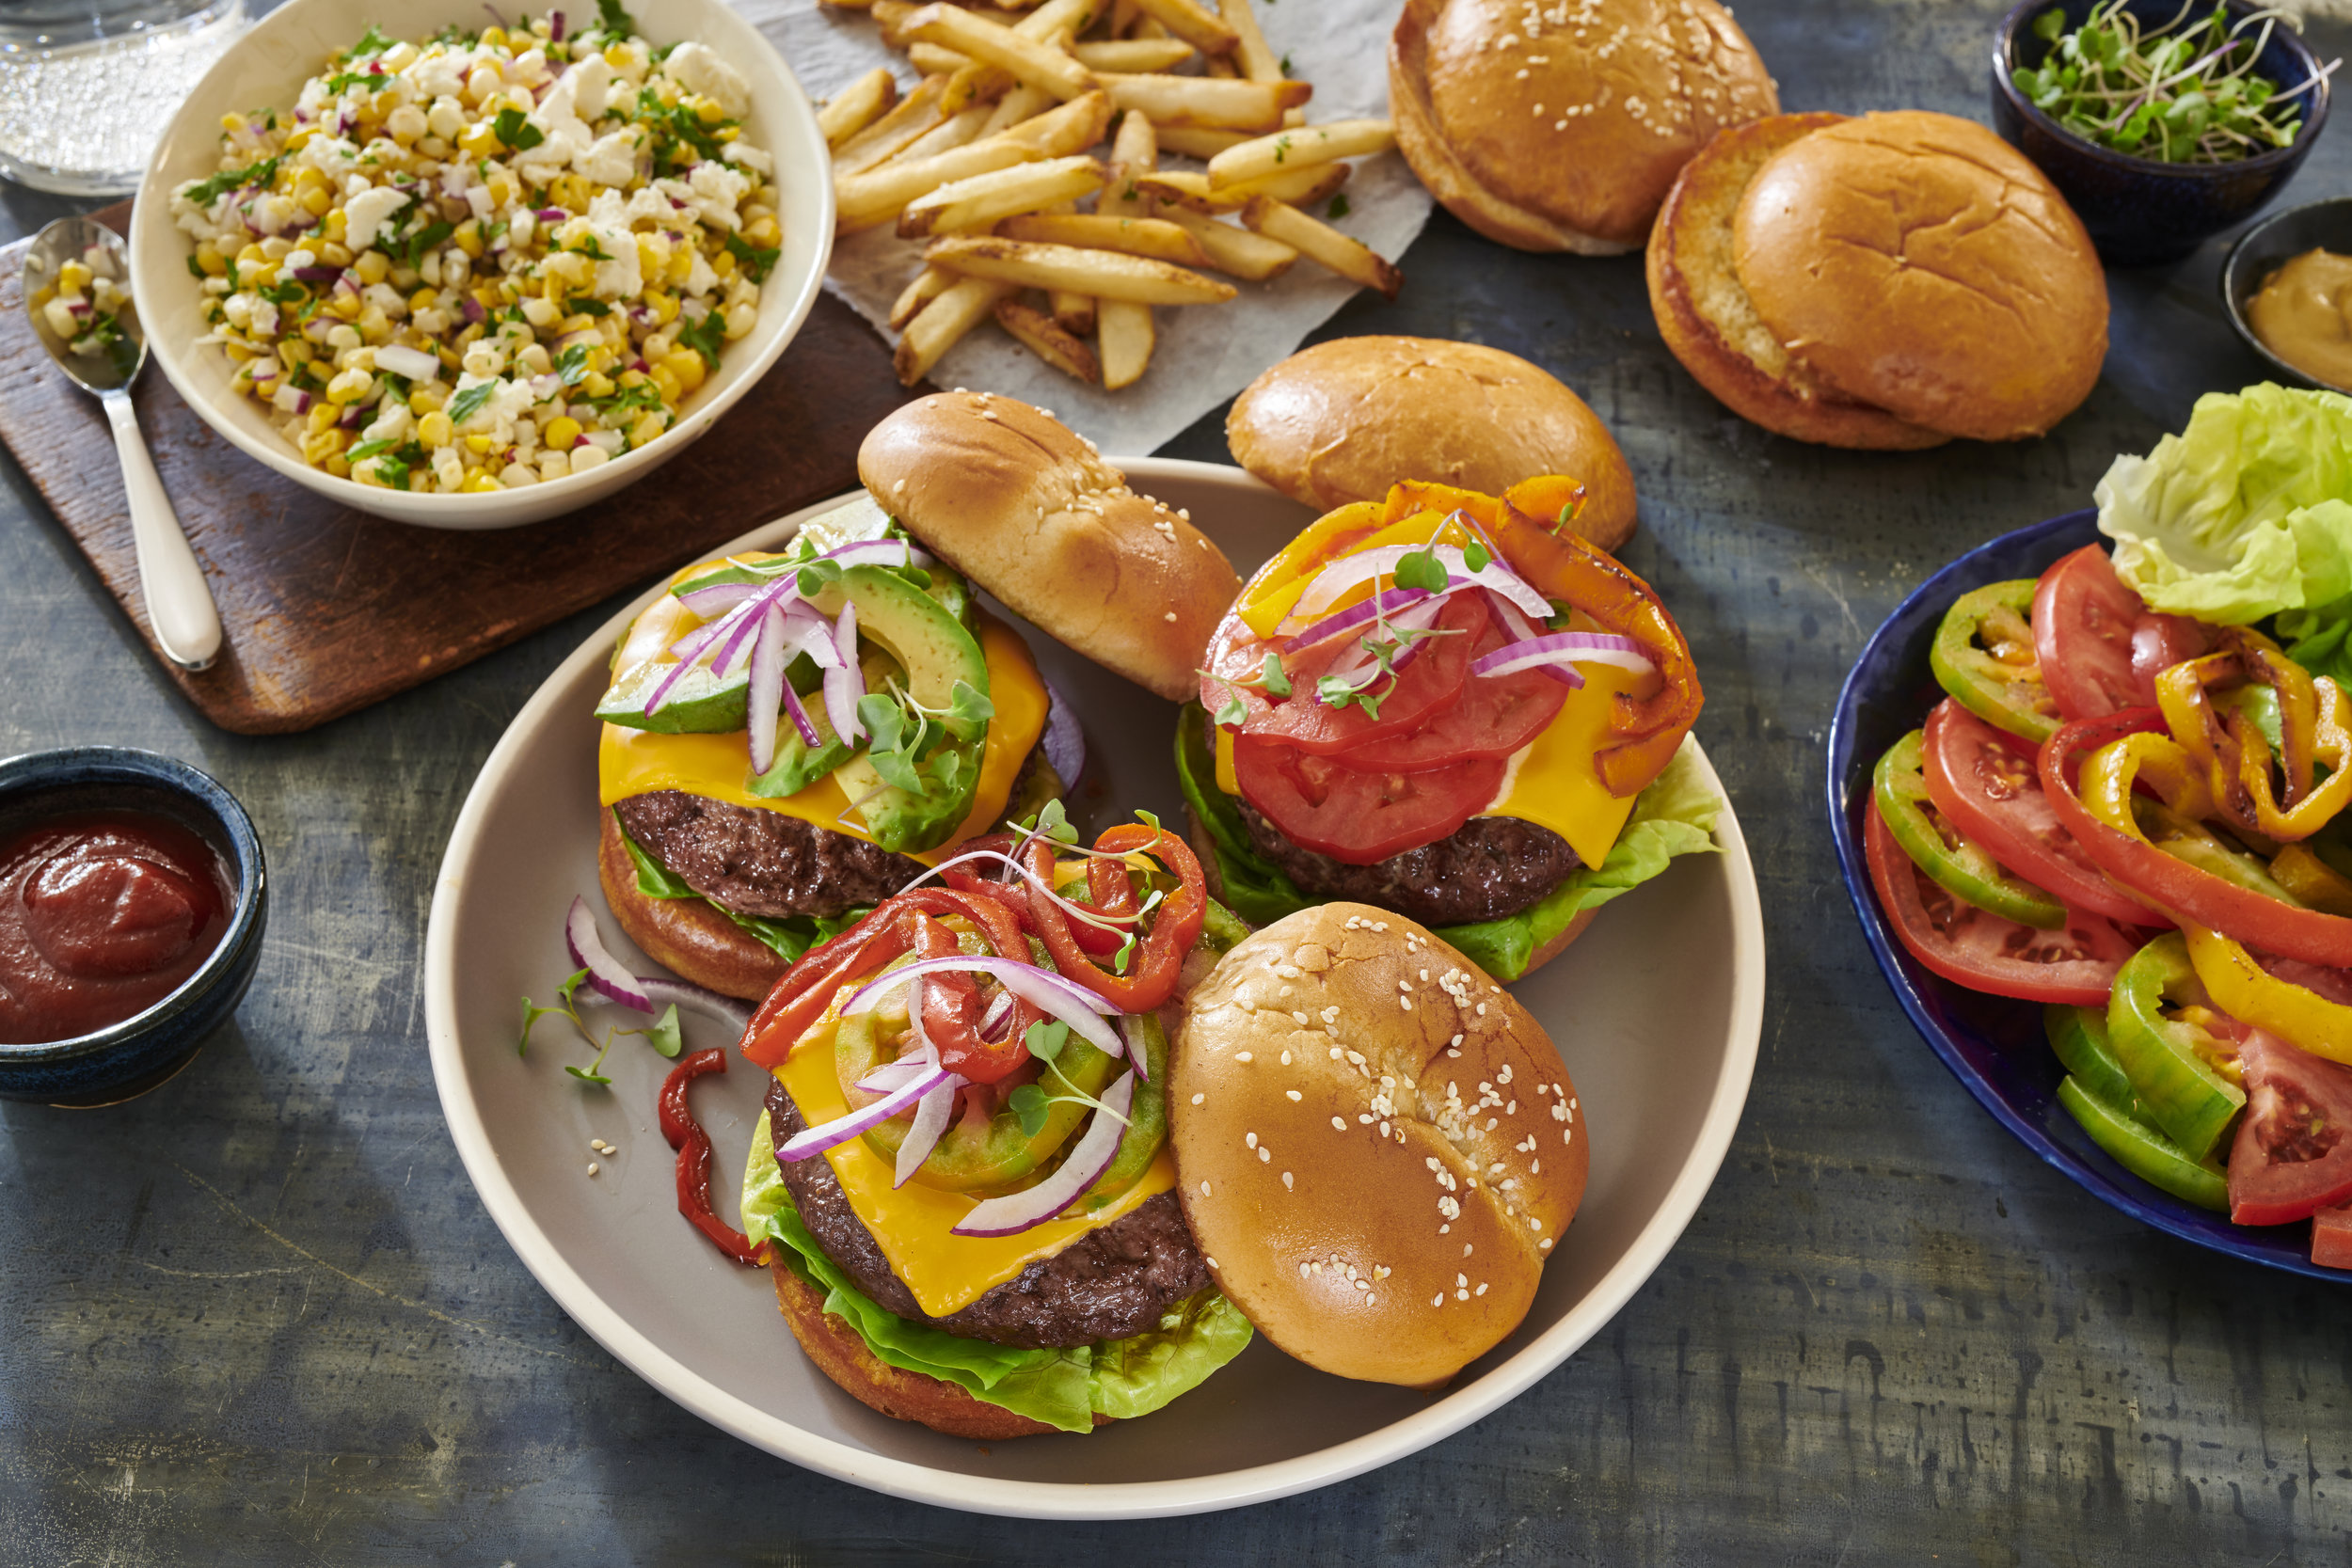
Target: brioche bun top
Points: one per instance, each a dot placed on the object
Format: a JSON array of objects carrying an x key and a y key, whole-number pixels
[
  {"x": 1028, "y": 509},
  {"x": 1377, "y": 1146},
  {"x": 1917, "y": 263},
  {"x": 1344, "y": 421},
  {"x": 1579, "y": 114}
]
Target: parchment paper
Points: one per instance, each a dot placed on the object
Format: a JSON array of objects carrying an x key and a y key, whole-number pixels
[{"x": 1206, "y": 352}]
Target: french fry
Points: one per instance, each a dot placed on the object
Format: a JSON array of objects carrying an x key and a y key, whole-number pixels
[
  {"x": 910, "y": 118},
  {"x": 877, "y": 196},
  {"x": 933, "y": 60},
  {"x": 857, "y": 106},
  {"x": 1105, "y": 274},
  {"x": 1207, "y": 102},
  {"x": 1257, "y": 60},
  {"x": 1022, "y": 103},
  {"x": 1202, "y": 145},
  {"x": 1073, "y": 313},
  {"x": 1145, "y": 26},
  {"x": 1288, "y": 152},
  {"x": 1125, "y": 340},
  {"x": 1024, "y": 58},
  {"x": 941, "y": 324},
  {"x": 1188, "y": 21},
  {"x": 1066, "y": 128},
  {"x": 955, "y": 131},
  {"x": 1058, "y": 21},
  {"x": 1124, "y": 14},
  {"x": 929, "y": 285},
  {"x": 1220, "y": 66},
  {"x": 846, "y": 5},
  {"x": 975, "y": 83},
  {"x": 1043, "y": 337},
  {"x": 1351, "y": 258},
  {"x": 1299, "y": 186},
  {"x": 962, "y": 205},
  {"x": 891, "y": 17},
  {"x": 1101, "y": 231},
  {"x": 1134, "y": 152},
  {"x": 1235, "y": 252},
  {"x": 1132, "y": 54}
]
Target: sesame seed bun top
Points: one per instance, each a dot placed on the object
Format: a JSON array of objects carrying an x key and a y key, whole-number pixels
[{"x": 1377, "y": 1146}]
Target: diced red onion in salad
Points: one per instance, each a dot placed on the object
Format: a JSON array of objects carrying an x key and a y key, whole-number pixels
[
  {"x": 930, "y": 1124},
  {"x": 1563, "y": 648},
  {"x": 320, "y": 273},
  {"x": 816, "y": 1140},
  {"x": 1089, "y": 1158},
  {"x": 412, "y": 363},
  {"x": 1065, "y": 743},
  {"x": 290, "y": 399},
  {"x": 555, "y": 26},
  {"x": 1041, "y": 988}
]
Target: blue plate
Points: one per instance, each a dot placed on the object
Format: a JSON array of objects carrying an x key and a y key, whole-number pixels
[{"x": 1994, "y": 1046}]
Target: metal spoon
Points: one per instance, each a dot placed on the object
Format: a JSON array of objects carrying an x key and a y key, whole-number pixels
[{"x": 179, "y": 602}]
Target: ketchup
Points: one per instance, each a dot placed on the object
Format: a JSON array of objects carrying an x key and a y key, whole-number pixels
[{"x": 103, "y": 914}]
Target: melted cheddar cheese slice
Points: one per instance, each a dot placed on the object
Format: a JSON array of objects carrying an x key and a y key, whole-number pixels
[{"x": 911, "y": 1224}]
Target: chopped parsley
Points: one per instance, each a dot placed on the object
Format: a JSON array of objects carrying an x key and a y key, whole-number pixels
[
  {"x": 704, "y": 336},
  {"x": 1339, "y": 207},
  {"x": 756, "y": 263},
  {"x": 205, "y": 192},
  {"x": 517, "y": 130},
  {"x": 470, "y": 400}
]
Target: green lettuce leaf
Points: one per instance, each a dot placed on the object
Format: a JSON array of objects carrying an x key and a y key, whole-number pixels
[
  {"x": 1062, "y": 1388},
  {"x": 1675, "y": 816},
  {"x": 2244, "y": 514}
]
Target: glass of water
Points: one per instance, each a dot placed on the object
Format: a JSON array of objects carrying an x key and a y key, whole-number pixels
[{"x": 87, "y": 86}]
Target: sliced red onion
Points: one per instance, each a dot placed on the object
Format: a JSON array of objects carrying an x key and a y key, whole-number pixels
[
  {"x": 1412, "y": 618},
  {"x": 895, "y": 1075},
  {"x": 691, "y": 998},
  {"x": 1075, "y": 911},
  {"x": 1521, "y": 629},
  {"x": 1089, "y": 1158},
  {"x": 993, "y": 1019},
  {"x": 551, "y": 214},
  {"x": 290, "y": 399},
  {"x": 1566, "y": 648},
  {"x": 605, "y": 974},
  {"x": 930, "y": 1124},
  {"x": 801, "y": 720},
  {"x": 1041, "y": 988},
  {"x": 412, "y": 363},
  {"x": 1355, "y": 615},
  {"x": 766, "y": 692},
  {"x": 715, "y": 599},
  {"x": 1367, "y": 565},
  {"x": 1065, "y": 743},
  {"x": 845, "y": 683},
  {"x": 1143, "y": 1069},
  {"x": 816, "y": 1140}
]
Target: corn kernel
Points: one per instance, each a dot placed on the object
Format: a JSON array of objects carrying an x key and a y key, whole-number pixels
[
  {"x": 434, "y": 430},
  {"x": 708, "y": 112},
  {"x": 664, "y": 307},
  {"x": 724, "y": 265},
  {"x": 726, "y": 133},
  {"x": 233, "y": 122},
  {"x": 632, "y": 378},
  {"x": 373, "y": 266},
  {"x": 339, "y": 466},
  {"x": 503, "y": 189},
  {"x": 562, "y": 432},
  {"x": 323, "y": 416},
  {"x": 681, "y": 267},
  {"x": 314, "y": 202},
  {"x": 299, "y": 138},
  {"x": 310, "y": 179},
  {"x": 48, "y": 292},
  {"x": 665, "y": 380},
  {"x": 321, "y": 444},
  {"x": 470, "y": 240},
  {"x": 418, "y": 403},
  {"x": 72, "y": 279},
  {"x": 493, "y": 38},
  {"x": 478, "y": 444},
  {"x": 763, "y": 233},
  {"x": 375, "y": 326},
  {"x": 480, "y": 141},
  {"x": 645, "y": 430},
  {"x": 596, "y": 385},
  {"x": 238, "y": 354},
  {"x": 616, "y": 56},
  {"x": 480, "y": 481},
  {"x": 344, "y": 305},
  {"x": 424, "y": 299},
  {"x": 332, "y": 229},
  {"x": 687, "y": 366}
]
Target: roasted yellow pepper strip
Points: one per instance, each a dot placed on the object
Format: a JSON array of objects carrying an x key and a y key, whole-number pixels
[
  {"x": 2313, "y": 880},
  {"x": 2167, "y": 766},
  {"x": 2250, "y": 993},
  {"x": 2234, "y": 758}
]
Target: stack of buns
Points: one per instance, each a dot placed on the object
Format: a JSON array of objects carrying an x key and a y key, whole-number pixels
[
  {"x": 1884, "y": 283},
  {"x": 1559, "y": 126}
]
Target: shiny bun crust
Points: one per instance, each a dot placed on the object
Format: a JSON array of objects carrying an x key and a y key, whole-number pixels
[
  {"x": 1029, "y": 511},
  {"x": 687, "y": 936},
  {"x": 842, "y": 1356},
  {"x": 1328, "y": 1108},
  {"x": 1558, "y": 127},
  {"x": 1344, "y": 421},
  {"x": 1712, "y": 326},
  {"x": 1918, "y": 262}
]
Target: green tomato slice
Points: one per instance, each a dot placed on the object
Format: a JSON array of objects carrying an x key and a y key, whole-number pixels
[
  {"x": 1147, "y": 1116},
  {"x": 2144, "y": 1152},
  {"x": 2169, "y": 1059},
  {"x": 1962, "y": 867},
  {"x": 2009, "y": 696}
]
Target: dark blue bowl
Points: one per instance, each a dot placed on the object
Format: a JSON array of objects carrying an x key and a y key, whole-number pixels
[
  {"x": 144, "y": 1050},
  {"x": 2139, "y": 210},
  {"x": 1994, "y": 1046}
]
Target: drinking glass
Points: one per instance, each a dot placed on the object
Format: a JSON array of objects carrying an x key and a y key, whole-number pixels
[{"x": 87, "y": 86}]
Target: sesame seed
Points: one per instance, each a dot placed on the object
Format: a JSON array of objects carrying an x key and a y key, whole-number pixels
[
  {"x": 1210, "y": 1262},
  {"x": 1204, "y": 1189},
  {"x": 1302, "y": 1271},
  {"x": 1364, "y": 1119},
  {"x": 1292, "y": 1093},
  {"x": 1404, "y": 1004},
  {"x": 1170, "y": 616},
  {"x": 1369, "y": 1299},
  {"x": 1338, "y": 1126},
  {"x": 1250, "y": 1139},
  {"x": 1461, "y": 1295},
  {"x": 1482, "y": 1288},
  {"x": 1534, "y": 1224},
  {"x": 1461, "y": 1280},
  {"x": 1535, "y": 1168},
  {"x": 1242, "y": 1056},
  {"x": 1266, "y": 1154},
  {"x": 1545, "y": 1244},
  {"x": 1567, "y": 1136},
  {"x": 1198, "y": 1097},
  {"x": 1335, "y": 1053},
  {"x": 1384, "y": 1129},
  {"x": 1437, "y": 1300},
  {"x": 1286, "y": 1058},
  {"x": 591, "y": 1167},
  {"x": 1286, "y": 1181},
  {"x": 1466, "y": 1248},
  {"x": 1444, "y": 1228}
]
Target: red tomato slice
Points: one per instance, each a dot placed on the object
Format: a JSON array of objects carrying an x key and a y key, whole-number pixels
[
  {"x": 2076, "y": 964},
  {"x": 1494, "y": 717},
  {"x": 1993, "y": 794},
  {"x": 2333, "y": 984},
  {"x": 1434, "y": 680},
  {"x": 2293, "y": 1154},
  {"x": 2331, "y": 1238},
  {"x": 1358, "y": 816},
  {"x": 2099, "y": 646}
]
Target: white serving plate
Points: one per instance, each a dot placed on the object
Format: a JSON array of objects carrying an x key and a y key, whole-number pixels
[
  {"x": 266, "y": 68},
  {"x": 1657, "y": 1011}
]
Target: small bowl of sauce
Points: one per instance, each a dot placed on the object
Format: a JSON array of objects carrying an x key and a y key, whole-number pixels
[
  {"x": 2287, "y": 286},
  {"x": 132, "y": 897}
]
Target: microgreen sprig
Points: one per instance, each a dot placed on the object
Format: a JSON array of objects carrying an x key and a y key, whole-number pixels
[
  {"x": 1028, "y": 1103},
  {"x": 662, "y": 1034}
]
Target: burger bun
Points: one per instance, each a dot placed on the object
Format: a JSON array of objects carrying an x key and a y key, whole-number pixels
[{"x": 687, "y": 936}]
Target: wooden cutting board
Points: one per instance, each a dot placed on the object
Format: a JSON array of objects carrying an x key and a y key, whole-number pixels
[{"x": 328, "y": 610}]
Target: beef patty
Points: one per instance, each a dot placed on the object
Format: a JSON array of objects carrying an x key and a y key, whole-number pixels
[
  {"x": 761, "y": 862},
  {"x": 1488, "y": 867},
  {"x": 1114, "y": 1281}
]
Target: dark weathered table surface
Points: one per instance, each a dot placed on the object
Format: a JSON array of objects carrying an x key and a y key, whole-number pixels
[{"x": 261, "y": 1316}]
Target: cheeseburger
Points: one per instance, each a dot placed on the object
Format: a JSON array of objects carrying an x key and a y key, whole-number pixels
[
  {"x": 1449, "y": 705},
  {"x": 792, "y": 737}
]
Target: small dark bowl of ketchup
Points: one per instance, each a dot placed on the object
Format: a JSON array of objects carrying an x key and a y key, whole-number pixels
[{"x": 132, "y": 901}]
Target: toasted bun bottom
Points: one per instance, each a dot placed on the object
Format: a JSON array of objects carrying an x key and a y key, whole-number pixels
[
  {"x": 687, "y": 936},
  {"x": 1713, "y": 327},
  {"x": 1204, "y": 845},
  {"x": 844, "y": 1356}
]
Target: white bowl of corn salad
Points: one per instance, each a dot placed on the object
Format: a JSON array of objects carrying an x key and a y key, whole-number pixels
[{"x": 472, "y": 272}]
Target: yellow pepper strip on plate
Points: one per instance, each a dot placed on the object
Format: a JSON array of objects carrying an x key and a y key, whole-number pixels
[
  {"x": 2247, "y": 992},
  {"x": 2237, "y": 760}
]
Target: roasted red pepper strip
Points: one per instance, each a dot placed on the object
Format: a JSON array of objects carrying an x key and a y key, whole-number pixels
[
  {"x": 1159, "y": 955},
  {"x": 694, "y": 1158},
  {"x": 951, "y": 1001}
]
